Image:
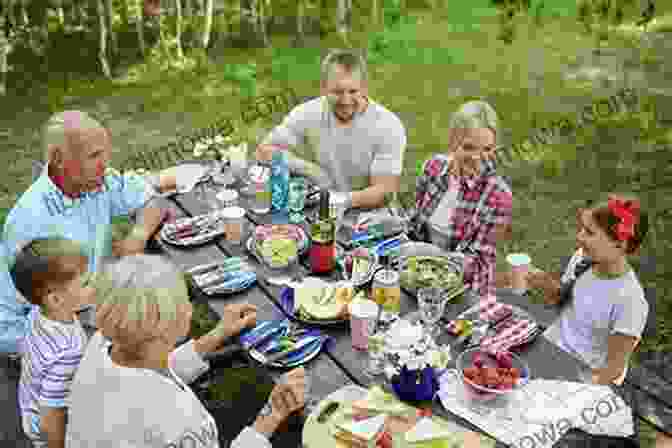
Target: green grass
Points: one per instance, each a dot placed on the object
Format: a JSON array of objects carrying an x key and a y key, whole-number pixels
[{"x": 416, "y": 71}]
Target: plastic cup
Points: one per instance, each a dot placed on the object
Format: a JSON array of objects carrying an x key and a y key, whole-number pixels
[
  {"x": 520, "y": 267},
  {"x": 228, "y": 198},
  {"x": 234, "y": 219},
  {"x": 363, "y": 315}
]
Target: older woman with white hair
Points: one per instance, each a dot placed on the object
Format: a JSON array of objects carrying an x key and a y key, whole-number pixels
[
  {"x": 75, "y": 197},
  {"x": 462, "y": 204},
  {"x": 130, "y": 389}
]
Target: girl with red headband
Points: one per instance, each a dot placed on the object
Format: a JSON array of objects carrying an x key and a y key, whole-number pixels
[{"x": 606, "y": 310}]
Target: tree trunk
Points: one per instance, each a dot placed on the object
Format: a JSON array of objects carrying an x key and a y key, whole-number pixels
[
  {"x": 188, "y": 8},
  {"x": 178, "y": 28},
  {"x": 5, "y": 49},
  {"x": 102, "y": 42},
  {"x": 261, "y": 22},
  {"x": 375, "y": 12},
  {"x": 23, "y": 12},
  {"x": 249, "y": 23},
  {"x": 207, "y": 26},
  {"x": 140, "y": 27},
  {"x": 300, "y": 38},
  {"x": 123, "y": 12},
  {"x": 60, "y": 13},
  {"x": 344, "y": 15},
  {"x": 109, "y": 22}
]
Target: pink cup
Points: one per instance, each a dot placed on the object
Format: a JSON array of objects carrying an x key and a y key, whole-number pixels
[{"x": 363, "y": 315}]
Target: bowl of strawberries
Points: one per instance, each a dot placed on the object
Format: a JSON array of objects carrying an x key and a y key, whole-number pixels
[{"x": 486, "y": 377}]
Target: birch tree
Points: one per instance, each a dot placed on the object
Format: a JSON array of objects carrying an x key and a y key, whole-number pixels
[
  {"x": 5, "y": 48},
  {"x": 344, "y": 19},
  {"x": 178, "y": 28},
  {"x": 139, "y": 26},
  {"x": 300, "y": 38},
  {"x": 251, "y": 24},
  {"x": 123, "y": 12},
  {"x": 109, "y": 24},
  {"x": 207, "y": 25},
  {"x": 102, "y": 41}
]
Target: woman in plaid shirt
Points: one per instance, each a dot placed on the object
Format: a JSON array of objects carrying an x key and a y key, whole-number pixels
[{"x": 461, "y": 204}]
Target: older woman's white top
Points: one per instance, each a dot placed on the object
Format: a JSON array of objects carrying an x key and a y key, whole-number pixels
[{"x": 120, "y": 407}]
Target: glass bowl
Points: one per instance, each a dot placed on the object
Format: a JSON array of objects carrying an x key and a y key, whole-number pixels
[{"x": 480, "y": 393}]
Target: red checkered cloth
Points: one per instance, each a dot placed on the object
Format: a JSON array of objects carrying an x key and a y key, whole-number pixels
[
  {"x": 511, "y": 333},
  {"x": 489, "y": 310}
]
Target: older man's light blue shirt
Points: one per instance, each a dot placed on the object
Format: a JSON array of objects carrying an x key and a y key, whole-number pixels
[{"x": 44, "y": 211}]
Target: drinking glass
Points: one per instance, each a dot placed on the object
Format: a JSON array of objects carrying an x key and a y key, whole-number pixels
[
  {"x": 432, "y": 303},
  {"x": 376, "y": 351},
  {"x": 297, "y": 199}
]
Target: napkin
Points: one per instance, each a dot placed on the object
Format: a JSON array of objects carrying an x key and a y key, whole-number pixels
[
  {"x": 488, "y": 310},
  {"x": 510, "y": 334},
  {"x": 542, "y": 411},
  {"x": 233, "y": 281}
]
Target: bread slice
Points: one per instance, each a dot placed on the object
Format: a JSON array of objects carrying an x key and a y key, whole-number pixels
[
  {"x": 427, "y": 429},
  {"x": 364, "y": 430}
]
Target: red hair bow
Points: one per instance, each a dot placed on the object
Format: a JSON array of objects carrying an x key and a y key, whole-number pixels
[{"x": 628, "y": 213}]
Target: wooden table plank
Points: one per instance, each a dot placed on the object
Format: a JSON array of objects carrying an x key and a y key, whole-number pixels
[{"x": 353, "y": 362}]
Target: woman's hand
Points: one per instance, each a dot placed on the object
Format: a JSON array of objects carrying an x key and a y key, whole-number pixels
[
  {"x": 235, "y": 318},
  {"x": 285, "y": 399}
]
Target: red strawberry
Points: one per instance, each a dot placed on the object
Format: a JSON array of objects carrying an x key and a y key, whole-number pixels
[
  {"x": 478, "y": 360},
  {"x": 504, "y": 360}
]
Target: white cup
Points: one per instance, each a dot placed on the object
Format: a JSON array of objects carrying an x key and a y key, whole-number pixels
[{"x": 520, "y": 267}]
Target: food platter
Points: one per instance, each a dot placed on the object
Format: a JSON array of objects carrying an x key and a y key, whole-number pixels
[
  {"x": 277, "y": 240},
  {"x": 189, "y": 231},
  {"x": 306, "y": 301}
]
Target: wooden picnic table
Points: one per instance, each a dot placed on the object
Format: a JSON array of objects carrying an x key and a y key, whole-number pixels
[{"x": 343, "y": 365}]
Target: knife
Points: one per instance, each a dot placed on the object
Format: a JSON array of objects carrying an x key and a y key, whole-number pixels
[{"x": 278, "y": 356}]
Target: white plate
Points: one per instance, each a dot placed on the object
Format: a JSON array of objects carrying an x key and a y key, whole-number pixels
[{"x": 188, "y": 175}]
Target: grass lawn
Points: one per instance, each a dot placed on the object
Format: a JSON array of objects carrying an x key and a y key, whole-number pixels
[{"x": 424, "y": 71}]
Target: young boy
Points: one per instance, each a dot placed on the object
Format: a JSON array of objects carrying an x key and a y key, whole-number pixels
[{"x": 49, "y": 272}]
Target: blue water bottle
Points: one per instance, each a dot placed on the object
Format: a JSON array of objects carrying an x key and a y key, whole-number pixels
[{"x": 280, "y": 180}]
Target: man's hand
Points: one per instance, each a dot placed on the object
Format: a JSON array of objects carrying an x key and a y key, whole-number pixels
[
  {"x": 235, "y": 318},
  {"x": 129, "y": 246},
  {"x": 460, "y": 168},
  {"x": 264, "y": 153}
]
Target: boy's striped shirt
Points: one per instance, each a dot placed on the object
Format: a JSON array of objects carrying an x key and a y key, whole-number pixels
[{"x": 53, "y": 351}]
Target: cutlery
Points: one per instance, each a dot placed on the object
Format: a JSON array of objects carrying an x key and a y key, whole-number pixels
[
  {"x": 266, "y": 360},
  {"x": 265, "y": 330},
  {"x": 233, "y": 284}
]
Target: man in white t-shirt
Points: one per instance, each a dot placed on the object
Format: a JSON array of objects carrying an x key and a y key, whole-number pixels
[{"x": 357, "y": 144}]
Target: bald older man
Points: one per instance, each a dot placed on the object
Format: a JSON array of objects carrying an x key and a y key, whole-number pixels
[{"x": 74, "y": 198}]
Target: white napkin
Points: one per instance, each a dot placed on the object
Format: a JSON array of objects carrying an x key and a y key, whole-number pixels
[
  {"x": 187, "y": 175},
  {"x": 543, "y": 411}
]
